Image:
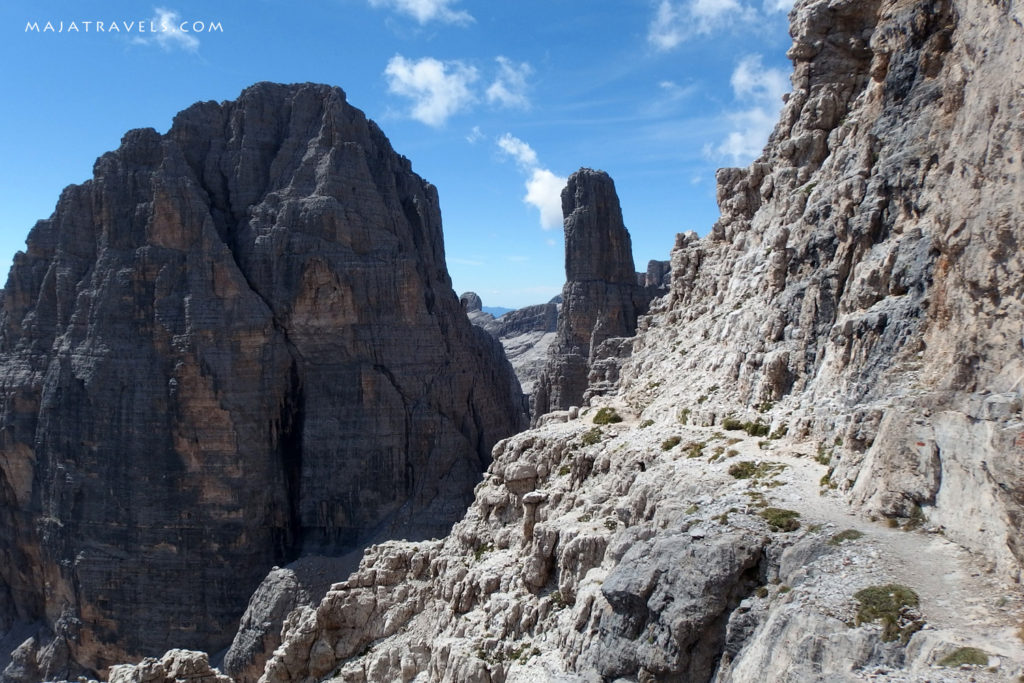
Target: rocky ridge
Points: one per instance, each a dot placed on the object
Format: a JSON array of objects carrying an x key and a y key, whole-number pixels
[
  {"x": 817, "y": 475},
  {"x": 236, "y": 344},
  {"x": 862, "y": 286}
]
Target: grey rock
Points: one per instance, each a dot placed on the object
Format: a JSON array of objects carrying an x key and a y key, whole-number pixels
[
  {"x": 670, "y": 600},
  {"x": 236, "y": 344},
  {"x": 602, "y": 297}
]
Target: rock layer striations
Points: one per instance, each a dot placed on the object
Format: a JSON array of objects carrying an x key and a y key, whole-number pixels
[
  {"x": 601, "y": 297},
  {"x": 237, "y": 343}
]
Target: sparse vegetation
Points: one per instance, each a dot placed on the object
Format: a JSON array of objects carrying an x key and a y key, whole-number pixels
[
  {"x": 761, "y": 592},
  {"x": 481, "y": 550},
  {"x": 692, "y": 509},
  {"x": 847, "y": 535},
  {"x": 783, "y": 589},
  {"x": 607, "y": 416},
  {"x": 757, "y": 428},
  {"x": 732, "y": 453},
  {"x": 611, "y": 524},
  {"x": 765, "y": 406},
  {"x": 592, "y": 437},
  {"x": 684, "y": 416},
  {"x": 780, "y": 519},
  {"x": 965, "y": 655},
  {"x": 748, "y": 469},
  {"x": 780, "y": 432},
  {"x": 702, "y": 398},
  {"x": 670, "y": 443},
  {"x": 731, "y": 424},
  {"x": 695, "y": 450},
  {"x": 564, "y": 470},
  {"x": 646, "y": 423},
  {"x": 757, "y": 499},
  {"x": 887, "y": 604}
]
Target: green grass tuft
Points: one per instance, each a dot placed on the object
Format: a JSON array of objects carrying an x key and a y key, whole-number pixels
[
  {"x": 884, "y": 604},
  {"x": 780, "y": 519},
  {"x": 965, "y": 655},
  {"x": 607, "y": 416}
]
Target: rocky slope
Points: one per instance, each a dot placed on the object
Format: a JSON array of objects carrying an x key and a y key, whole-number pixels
[
  {"x": 863, "y": 282},
  {"x": 236, "y": 344},
  {"x": 849, "y": 333}
]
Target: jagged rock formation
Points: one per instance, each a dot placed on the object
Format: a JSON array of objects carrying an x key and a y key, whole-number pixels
[
  {"x": 598, "y": 553},
  {"x": 858, "y": 303},
  {"x": 526, "y": 334},
  {"x": 237, "y": 343},
  {"x": 603, "y": 295},
  {"x": 864, "y": 278}
]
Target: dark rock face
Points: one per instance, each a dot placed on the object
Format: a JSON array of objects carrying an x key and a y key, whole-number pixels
[
  {"x": 603, "y": 295},
  {"x": 235, "y": 344}
]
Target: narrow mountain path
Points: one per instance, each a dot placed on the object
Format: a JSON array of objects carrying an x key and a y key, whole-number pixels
[{"x": 959, "y": 594}]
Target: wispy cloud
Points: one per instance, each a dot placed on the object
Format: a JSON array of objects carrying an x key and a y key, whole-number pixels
[
  {"x": 169, "y": 35},
  {"x": 426, "y": 11},
  {"x": 474, "y": 263},
  {"x": 437, "y": 89},
  {"x": 524, "y": 155},
  {"x": 778, "y": 5},
  {"x": 677, "y": 22},
  {"x": 475, "y": 135},
  {"x": 509, "y": 87},
  {"x": 543, "y": 188},
  {"x": 758, "y": 92}
]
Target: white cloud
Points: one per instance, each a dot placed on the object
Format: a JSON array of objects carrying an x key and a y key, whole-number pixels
[
  {"x": 475, "y": 135},
  {"x": 518, "y": 150},
  {"x": 438, "y": 89},
  {"x": 543, "y": 188},
  {"x": 750, "y": 79},
  {"x": 509, "y": 88},
  {"x": 758, "y": 90},
  {"x": 664, "y": 31},
  {"x": 425, "y": 11},
  {"x": 778, "y": 5},
  {"x": 674, "y": 23},
  {"x": 168, "y": 34}
]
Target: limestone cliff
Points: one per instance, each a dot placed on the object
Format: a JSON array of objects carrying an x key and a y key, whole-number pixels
[
  {"x": 602, "y": 297},
  {"x": 237, "y": 343},
  {"x": 849, "y": 332},
  {"x": 863, "y": 283}
]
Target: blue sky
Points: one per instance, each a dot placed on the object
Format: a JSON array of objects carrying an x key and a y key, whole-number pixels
[{"x": 496, "y": 103}]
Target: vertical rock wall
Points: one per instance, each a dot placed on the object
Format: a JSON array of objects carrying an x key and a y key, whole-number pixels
[{"x": 237, "y": 343}]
